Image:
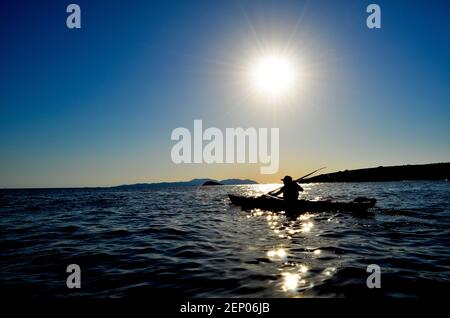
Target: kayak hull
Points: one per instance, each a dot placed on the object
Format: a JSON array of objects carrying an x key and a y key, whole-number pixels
[{"x": 359, "y": 205}]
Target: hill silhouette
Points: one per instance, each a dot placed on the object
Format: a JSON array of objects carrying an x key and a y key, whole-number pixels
[
  {"x": 193, "y": 182},
  {"x": 434, "y": 171}
]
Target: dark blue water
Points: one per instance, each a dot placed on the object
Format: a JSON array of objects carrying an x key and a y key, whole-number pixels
[{"x": 191, "y": 242}]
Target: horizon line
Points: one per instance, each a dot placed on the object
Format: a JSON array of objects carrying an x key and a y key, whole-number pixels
[{"x": 178, "y": 181}]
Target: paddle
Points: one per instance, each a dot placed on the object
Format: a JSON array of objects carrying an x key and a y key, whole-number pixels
[
  {"x": 307, "y": 175},
  {"x": 298, "y": 180}
]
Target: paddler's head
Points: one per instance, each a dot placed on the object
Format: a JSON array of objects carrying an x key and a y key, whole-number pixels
[{"x": 287, "y": 179}]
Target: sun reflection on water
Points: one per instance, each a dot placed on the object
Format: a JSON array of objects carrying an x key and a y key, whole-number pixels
[
  {"x": 303, "y": 269},
  {"x": 299, "y": 271},
  {"x": 306, "y": 227},
  {"x": 277, "y": 253},
  {"x": 290, "y": 282},
  {"x": 305, "y": 217},
  {"x": 293, "y": 282}
]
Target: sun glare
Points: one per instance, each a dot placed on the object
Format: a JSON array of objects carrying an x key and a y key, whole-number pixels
[{"x": 273, "y": 76}]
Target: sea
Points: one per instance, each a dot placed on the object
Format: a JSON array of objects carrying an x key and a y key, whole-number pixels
[{"x": 191, "y": 242}]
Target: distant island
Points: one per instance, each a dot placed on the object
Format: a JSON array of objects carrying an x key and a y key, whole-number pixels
[
  {"x": 193, "y": 182},
  {"x": 434, "y": 171},
  {"x": 211, "y": 183}
]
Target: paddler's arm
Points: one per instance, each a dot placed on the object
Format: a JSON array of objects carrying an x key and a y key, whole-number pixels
[
  {"x": 300, "y": 188},
  {"x": 276, "y": 193}
]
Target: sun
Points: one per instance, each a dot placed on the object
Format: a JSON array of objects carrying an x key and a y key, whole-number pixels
[{"x": 273, "y": 76}]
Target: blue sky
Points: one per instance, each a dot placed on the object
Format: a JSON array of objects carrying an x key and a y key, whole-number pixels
[{"x": 96, "y": 106}]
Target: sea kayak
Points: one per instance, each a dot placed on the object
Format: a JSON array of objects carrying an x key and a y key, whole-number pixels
[{"x": 359, "y": 205}]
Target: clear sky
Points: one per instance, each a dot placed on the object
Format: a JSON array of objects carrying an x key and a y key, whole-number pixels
[{"x": 96, "y": 106}]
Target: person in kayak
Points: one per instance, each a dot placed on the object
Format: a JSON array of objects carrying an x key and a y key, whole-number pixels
[{"x": 290, "y": 190}]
